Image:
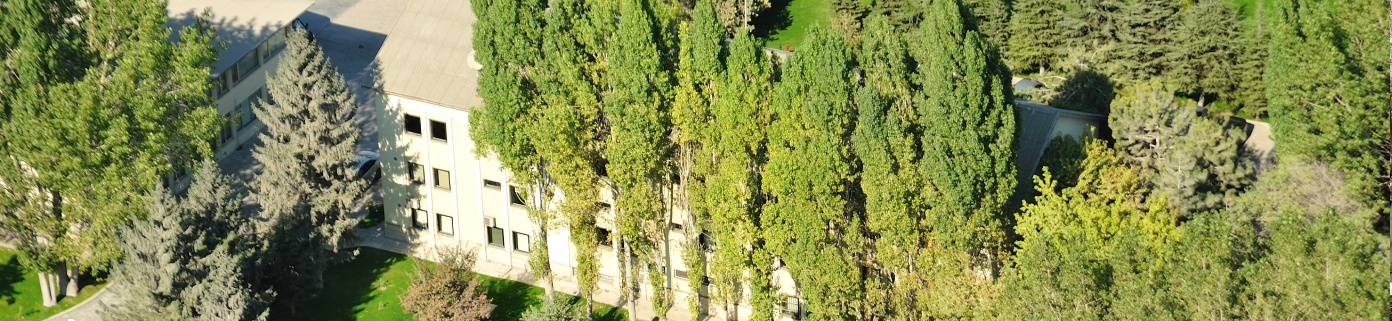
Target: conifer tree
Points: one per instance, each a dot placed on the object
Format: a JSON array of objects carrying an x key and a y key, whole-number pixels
[
  {"x": 808, "y": 219},
  {"x": 1326, "y": 82},
  {"x": 1088, "y": 24},
  {"x": 1250, "y": 64},
  {"x": 1206, "y": 40},
  {"x": 1144, "y": 32},
  {"x": 968, "y": 121},
  {"x": 132, "y": 109},
  {"x": 192, "y": 258},
  {"x": 306, "y": 190},
  {"x": 993, "y": 19},
  {"x": 1035, "y": 34}
]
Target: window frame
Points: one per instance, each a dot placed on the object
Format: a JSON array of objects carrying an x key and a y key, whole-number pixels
[
  {"x": 416, "y": 177},
  {"x": 443, "y": 184},
  {"x": 492, "y": 184},
  {"x": 602, "y": 236},
  {"x": 442, "y": 130},
  {"x": 440, "y": 224},
  {"x": 514, "y": 198},
  {"x": 501, "y": 242},
  {"x": 518, "y": 244},
  {"x": 416, "y": 218},
  {"x": 406, "y": 122}
]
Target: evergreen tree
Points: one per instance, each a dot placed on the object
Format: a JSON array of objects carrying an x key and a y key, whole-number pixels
[
  {"x": 133, "y": 109},
  {"x": 1250, "y": 64},
  {"x": 1326, "y": 266},
  {"x": 192, "y": 258},
  {"x": 1197, "y": 162},
  {"x": 808, "y": 218},
  {"x": 1326, "y": 82},
  {"x": 968, "y": 144},
  {"x": 1035, "y": 34},
  {"x": 993, "y": 19},
  {"x": 1086, "y": 91},
  {"x": 1144, "y": 33},
  {"x": 1087, "y": 28},
  {"x": 1206, "y": 39},
  {"x": 306, "y": 190}
]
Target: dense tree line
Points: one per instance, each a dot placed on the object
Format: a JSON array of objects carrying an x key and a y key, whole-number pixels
[{"x": 874, "y": 164}]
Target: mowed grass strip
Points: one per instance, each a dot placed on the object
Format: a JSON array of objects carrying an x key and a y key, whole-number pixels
[
  {"x": 369, "y": 286},
  {"x": 20, "y": 297},
  {"x": 785, "y": 22}
]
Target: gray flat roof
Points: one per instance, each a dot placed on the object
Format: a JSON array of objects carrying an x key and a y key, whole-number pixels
[
  {"x": 1036, "y": 124},
  {"x": 242, "y": 24},
  {"x": 426, "y": 56}
]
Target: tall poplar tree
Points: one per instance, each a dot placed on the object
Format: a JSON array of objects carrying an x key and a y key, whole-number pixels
[
  {"x": 887, "y": 145},
  {"x": 306, "y": 190},
  {"x": 700, "y": 65},
  {"x": 810, "y": 224},
  {"x": 95, "y": 116},
  {"x": 969, "y": 142}
]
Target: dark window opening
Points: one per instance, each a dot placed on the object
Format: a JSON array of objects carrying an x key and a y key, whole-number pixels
[
  {"x": 495, "y": 236},
  {"x": 416, "y": 172},
  {"x": 437, "y": 130},
  {"x": 517, "y": 197},
  {"x": 492, "y": 184},
  {"x": 707, "y": 242},
  {"x": 602, "y": 235},
  {"x": 413, "y": 124},
  {"x": 420, "y": 218}
]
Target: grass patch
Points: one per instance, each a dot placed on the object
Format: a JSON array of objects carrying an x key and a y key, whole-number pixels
[
  {"x": 786, "y": 21},
  {"x": 367, "y": 288},
  {"x": 20, "y": 295},
  {"x": 375, "y": 215}
]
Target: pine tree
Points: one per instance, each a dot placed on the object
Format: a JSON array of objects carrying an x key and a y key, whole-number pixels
[
  {"x": 1035, "y": 34},
  {"x": 1250, "y": 64},
  {"x": 192, "y": 258},
  {"x": 306, "y": 189},
  {"x": 1088, "y": 24},
  {"x": 1085, "y": 90},
  {"x": 1326, "y": 82},
  {"x": 808, "y": 219},
  {"x": 993, "y": 19},
  {"x": 968, "y": 144},
  {"x": 133, "y": 109},
  {"x": 1198, "y": 162}
]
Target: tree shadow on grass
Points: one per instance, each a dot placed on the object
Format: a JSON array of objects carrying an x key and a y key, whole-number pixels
[
  {"x": 347, "y": 288},
  {"x": 772, "y": 20},
  {"x": 513, "y": 298},
  {"x": 11, "y": 273}
]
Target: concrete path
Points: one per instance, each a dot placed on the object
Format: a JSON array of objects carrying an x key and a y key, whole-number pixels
[
  {"x": 1261, "y": 145},
  {"x": 87, "y": 310}
]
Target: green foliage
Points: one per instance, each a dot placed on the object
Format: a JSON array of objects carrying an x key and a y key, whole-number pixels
[
  {"x": 1064, "y": 158},
  {"x": 554, "y": 308},
  {"x": 192, "y": 258},
  {"x": 447, "y": 290},
  {"x": 1327, "y": 266},
  {"x": 1086, "y": 91},
  {"x": 306, "y": 190},
  {"x": 965, "y": 109},
  {"x": 1206, "y": 46},
  {"x": 1035, "y": 34},
  {"x": 1326, "y": 82},
  {"x": 1251, "y": 52},
  {"x": 1144, "y": 32},
  {"x": 993, "y": 19},
  {"x": 808, "y": 177}
]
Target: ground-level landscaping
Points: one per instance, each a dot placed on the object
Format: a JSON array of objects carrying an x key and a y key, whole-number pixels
[
  {"x": 367, "y": 288},
  {"x": 20, "y": 297},
  {"x": 784, "y": 23}
]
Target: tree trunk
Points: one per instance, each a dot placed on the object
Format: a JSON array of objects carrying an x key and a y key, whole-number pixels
[
  {"x": 62, "y": 285},
  {"x": 589, "y": 308},
  {"x": 46, "y": 290},
  {"x": 626, "y": 276},
  {"x": 72, "y": 280}
]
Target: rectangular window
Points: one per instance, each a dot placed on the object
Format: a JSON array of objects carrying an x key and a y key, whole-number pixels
[
  {"x": 495, "y": 236},
  {"x": 248, "y": 63},
  {"x": 442, "y": 179},
  {"x": 602, "y": 235},
  {"x": 247, "y": 109},
  {"x": 792, "y": 307},
  {"x": 416, "y": 172},
  {"x": 413, "y": 124},
  {"x": 677, "y": 226},
  {"x": 516, "y": 196},
  {"x": 492, "y": 184},
  {"x": 446, "y": 224},
  {"x": 437, "y": 130},
  {"x": 420, "y": 218},
  {"x": 228, "y": 131},
  {"x": 707, "y": 242},
  {"x": 274, "y": 44},
  {"x": 521, "y": 242},
  {"x": 679, "y": 274},
  {"x": 266, "y": 99}
]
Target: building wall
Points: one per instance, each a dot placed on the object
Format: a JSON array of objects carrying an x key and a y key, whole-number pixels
[
  {"x": 1074, "y": 126},
  {"x": 469, "y": 201},
  {"x": 228, "y": 103}
]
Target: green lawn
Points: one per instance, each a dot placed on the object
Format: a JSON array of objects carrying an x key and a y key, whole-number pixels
[
  {"x": 785, "y": 22},
  {"x": 367, "y": 289},
  {"x": 19, "y": 291}
]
